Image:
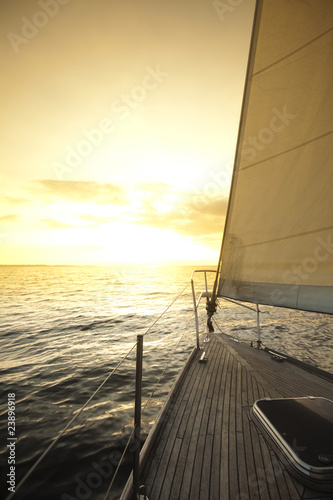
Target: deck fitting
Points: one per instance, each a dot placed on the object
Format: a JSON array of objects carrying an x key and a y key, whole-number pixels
[
  {"x": 203, "y": 358},
  {"x": 142, "y": 493}
]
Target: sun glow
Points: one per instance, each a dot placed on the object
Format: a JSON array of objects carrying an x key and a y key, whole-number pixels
[
  {"x": 117, "y": 243},
  {"x": 125, "y": 243},
  {"x": 142, "y": 137}
]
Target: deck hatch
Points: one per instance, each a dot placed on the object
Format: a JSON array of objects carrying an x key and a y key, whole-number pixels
[{"x": 301, "y": 431}]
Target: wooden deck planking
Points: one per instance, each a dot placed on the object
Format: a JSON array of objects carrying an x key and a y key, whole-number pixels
[
  {"x": 250, "y": 486},
  {"x": 216, "y": 428},
  {"x": 175, "y": 414},
  {"x": 206, "y": 469},
  {"x": 176, "y": 427},
  {"x": 232, "y": 455},
  {"x": 191, "y": 425},
  {"x": 294, "y": 377},
  {"x": 224, "y": 462},
  {"x": 269, "y": 479},
  {"x": 184, "y": 436},
  {"x": 208, "y": 447},
  {"x": 172, "y": 465},
  {"x": 201, "y": 472}
]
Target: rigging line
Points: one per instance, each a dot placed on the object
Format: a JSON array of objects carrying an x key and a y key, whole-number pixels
[
  {"x": 23, "y": 480},
  {"x": 151, "y": 326},
  {"x": 216, "y": 324},
  {"x": 118, "y": 466},
  {"x": 147, "y": 402},
  {"x": 168, "y": 335},
  {"x": 166, "y": 366},
  {"x": 240, "y": 339}
]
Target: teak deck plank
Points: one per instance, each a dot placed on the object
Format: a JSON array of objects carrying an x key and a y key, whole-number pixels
[{"x": 207, "y": 446}]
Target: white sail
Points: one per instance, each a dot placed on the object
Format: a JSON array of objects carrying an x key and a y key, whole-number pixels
[{"x": 278, "y": 241}]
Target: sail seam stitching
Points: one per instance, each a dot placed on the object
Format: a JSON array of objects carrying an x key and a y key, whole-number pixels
[
  {"x": 290, "y": 236},
  {"x": 286, "y": 151},
  {"x": 292, "y": 53}
]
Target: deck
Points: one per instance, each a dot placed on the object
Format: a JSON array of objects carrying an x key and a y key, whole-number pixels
[{"x": 206, "y": 446}]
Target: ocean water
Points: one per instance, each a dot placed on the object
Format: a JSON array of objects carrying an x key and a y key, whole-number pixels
[{"x": 64, "y": 329}]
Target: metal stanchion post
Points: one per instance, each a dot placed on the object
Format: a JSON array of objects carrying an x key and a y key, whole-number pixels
[
  {"x": 196, "y": 315},
  {"x": 137, "y": 415}
]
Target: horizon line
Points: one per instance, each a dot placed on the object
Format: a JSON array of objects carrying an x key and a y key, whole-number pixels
[{"x": 105, "y": 265}]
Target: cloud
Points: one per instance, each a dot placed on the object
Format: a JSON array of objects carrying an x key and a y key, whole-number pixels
[
  {"x": 81, "y": 191},
  {"x": 92, "y": 220},
  {"x": 188, "y": 217},
  {"x": 14, "y": 201},
  {"x": 216, "y": 207},
  {"x": 9, "y": 218},
  {"x": 156, "y": 205},
  {"x": 56, "y": 224},
  {"x": 98, "y": 220},
  {"x": 184, "y": 224},
  {"x": 155, "y": 187}
]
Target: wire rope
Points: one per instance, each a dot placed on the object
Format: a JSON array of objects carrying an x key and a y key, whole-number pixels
[
  {"x": 119, "y": 464},
  {"x": 165, "y": 367},
  {"x": 154, "y": 389},
  {"x": 165, "y": 310},
  {"x": 56, "y": 439}
]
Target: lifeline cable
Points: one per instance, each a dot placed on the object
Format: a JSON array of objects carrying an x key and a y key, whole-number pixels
[
  {"x": 166, "y": 366},
  {"x": 119, "y": 464},
  {"x": 55, "y": 440},
  {"x": 154, "y": 389},
  {"x": 23, "y": 480},
  {"x": 160, "y": 316},
  {"x": 147, "y": 402}
]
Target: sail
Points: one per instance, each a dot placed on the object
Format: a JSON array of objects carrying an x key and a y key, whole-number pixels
[{"x": 278, "y": 241}]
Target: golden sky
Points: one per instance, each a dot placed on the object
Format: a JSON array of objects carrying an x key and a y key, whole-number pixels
[{"x": 118, "y": 130}]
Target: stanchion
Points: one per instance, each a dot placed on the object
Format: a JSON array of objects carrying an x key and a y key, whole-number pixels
[{"x": 137, "y": 415}]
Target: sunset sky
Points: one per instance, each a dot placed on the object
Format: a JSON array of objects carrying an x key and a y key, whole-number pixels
[{"x": 118, "y": 130}]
